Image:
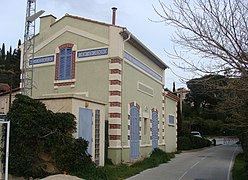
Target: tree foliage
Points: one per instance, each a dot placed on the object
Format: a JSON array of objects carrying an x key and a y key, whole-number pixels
[
  {"x": 42, "y": 142},
  {"x": 215, "y": 31},
  {"x": 206, "y": 95},
  {"x": 10, "y": 66}
]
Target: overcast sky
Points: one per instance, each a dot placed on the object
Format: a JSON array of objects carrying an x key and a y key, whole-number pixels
[{"x": 132, "y": 14}]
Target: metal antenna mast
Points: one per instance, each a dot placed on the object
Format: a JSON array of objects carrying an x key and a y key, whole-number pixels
[{"x": 28, "y": 51}]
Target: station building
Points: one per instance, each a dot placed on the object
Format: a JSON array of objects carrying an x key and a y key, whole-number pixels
[{"x": 104, "y": 75}]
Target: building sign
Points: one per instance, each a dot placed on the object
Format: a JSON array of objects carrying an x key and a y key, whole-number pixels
[
  {"x": 90, "y": 53},
  {"x": 41, "y": 60}
]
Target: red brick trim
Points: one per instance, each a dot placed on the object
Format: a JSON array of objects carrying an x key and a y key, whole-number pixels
[
  {"x": 115, "y": 104},
  {"x": 115, "y": 82},
  {"x": 115, "y": 61},
  {"x": 114, "y": 137},
  {"x": 67, "y": 45},
  {"x": 115, "y": 71},
  {"x": 132, "y": 104},
  {"x": 155, "y": 110},
  {"x": 57, "y": 67},
  {"x": 115, "y": 115},
  {"x": 114, "y": 126},
  {"x": 115, "y": 93},
  {"x": 64, "y": 84},
  {"x": 73, "y": 64}
]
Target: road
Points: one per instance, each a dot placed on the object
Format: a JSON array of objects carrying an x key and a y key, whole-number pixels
[{"x": 213, "y": 163}]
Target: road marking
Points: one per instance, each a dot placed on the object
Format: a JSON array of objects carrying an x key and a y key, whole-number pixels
[
  {"x": 189, "y": 168},
  {"x": 195, "y": 164},
  {"x": 231, "y": 164},
  {"x": 183, "y": 175}
]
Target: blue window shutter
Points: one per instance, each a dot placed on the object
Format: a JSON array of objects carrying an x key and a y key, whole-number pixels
[
  {"x": 65, "y": 64},
  {"x": 68, "y": 67},
  {"x": 134, "y": 133},
  {"x": 61, "y": 67}
]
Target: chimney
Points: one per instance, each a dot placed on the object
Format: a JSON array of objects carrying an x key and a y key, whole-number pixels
[
  {"x": 113, "y": 15},
  {"x": 46, "y": 22}
]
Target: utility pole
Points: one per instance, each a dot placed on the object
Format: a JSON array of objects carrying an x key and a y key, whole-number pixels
[{"x": 28, "y": 51}]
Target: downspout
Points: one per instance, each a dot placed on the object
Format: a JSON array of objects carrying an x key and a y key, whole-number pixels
[{"x": 122, "y": 72}]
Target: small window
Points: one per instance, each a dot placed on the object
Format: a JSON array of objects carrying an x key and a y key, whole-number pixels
[
  {"x": 65, "y": 64},
  {"x": 171, "y": 120},
  {"x": 145, "y": 126}
]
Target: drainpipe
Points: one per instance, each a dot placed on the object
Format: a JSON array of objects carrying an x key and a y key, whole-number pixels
[{"x": 122, "y": 72}]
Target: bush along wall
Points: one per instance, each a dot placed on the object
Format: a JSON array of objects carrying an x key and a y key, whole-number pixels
[{"x": 192, "y": 142}]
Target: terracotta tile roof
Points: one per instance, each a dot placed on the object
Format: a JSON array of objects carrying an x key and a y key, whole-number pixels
[
  {"x": 4, "y": 87},
  {"x": 172, "y": 96},
  {"x": 16, "y": 90},
  {"x": 89, "y": 20}
]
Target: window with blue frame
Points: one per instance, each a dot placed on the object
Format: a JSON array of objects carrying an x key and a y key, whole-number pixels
[
  {"x": 65, "y": 64},
  {"x": 171, "y": 120}
]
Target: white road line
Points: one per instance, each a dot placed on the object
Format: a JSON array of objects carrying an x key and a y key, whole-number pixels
[
  {"x": 183, "y": 175},
  {"x": 188, "y": 171},
  {"x": 231, "y": 164},
  {"x": 195, "y": 164}
]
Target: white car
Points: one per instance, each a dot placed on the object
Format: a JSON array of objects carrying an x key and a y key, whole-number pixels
[{"x": 196, "y": 134}]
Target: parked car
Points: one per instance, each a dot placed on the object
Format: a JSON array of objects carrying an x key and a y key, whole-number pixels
[{"x": 196, "y": 134}]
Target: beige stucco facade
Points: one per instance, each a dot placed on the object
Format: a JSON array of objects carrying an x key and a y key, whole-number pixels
[
  {"x": 111, "y": 66},
  {"x": 171, "y": 101},
  {"x": 72, "y": 103}
]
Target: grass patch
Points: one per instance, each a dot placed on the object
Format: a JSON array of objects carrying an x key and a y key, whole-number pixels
[
  {"x": 123, "y": 171},
  {"x": 238, "y": 168}
]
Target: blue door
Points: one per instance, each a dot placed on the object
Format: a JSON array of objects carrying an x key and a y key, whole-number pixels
[
  {"x": 134, "y": 133},
  {"x": 85, "y": 126},
  {"x": 154, "y": 130}
]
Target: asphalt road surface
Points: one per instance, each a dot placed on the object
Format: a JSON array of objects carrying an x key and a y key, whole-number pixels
[{"x": 213, "y": 163}]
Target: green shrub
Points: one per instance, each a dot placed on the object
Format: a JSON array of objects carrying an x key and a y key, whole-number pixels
[
  {"x": 198, "y": 142},
  {"x": 184, "y": 143},
  {"x": 40, "y": 138},
  {"x": 192, "y": 142}
]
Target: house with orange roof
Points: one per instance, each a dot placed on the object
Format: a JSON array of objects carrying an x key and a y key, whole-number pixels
[{"x": 110, "y": 81}]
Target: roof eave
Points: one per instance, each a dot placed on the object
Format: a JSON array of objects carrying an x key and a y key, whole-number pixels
[{"x": 139, "y": 45}]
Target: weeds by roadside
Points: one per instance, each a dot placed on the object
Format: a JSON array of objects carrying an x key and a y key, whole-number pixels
[
  {"x": 238, "y": 168},
  {"x": 123, "y": 171}
]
